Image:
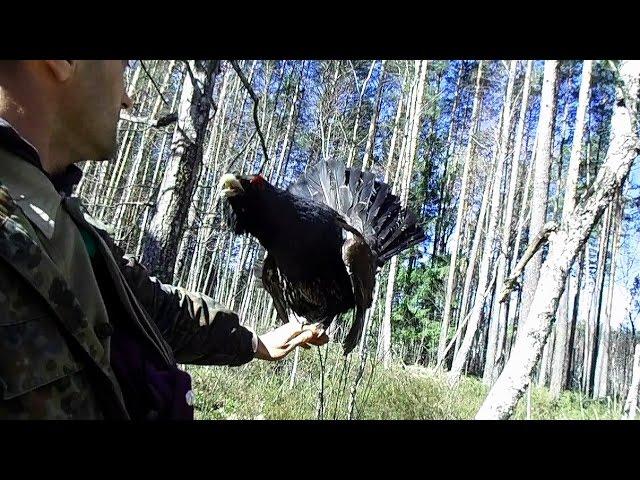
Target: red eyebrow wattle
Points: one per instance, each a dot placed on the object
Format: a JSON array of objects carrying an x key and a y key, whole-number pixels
[{"x": 258, "y": 180}]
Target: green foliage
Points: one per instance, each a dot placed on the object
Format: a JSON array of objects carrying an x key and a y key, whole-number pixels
[
  {"x": 260, "y": 390},
  {"x": 421, "y": 290}
]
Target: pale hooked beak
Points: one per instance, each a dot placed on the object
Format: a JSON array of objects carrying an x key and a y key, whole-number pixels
[{"x": 229, "y": 186}]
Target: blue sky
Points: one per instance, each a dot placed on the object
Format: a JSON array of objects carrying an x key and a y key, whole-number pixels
[{"x": 495, "y": 74}]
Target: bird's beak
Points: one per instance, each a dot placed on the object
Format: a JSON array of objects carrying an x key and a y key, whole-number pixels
[{"x": 229, "y": 186}]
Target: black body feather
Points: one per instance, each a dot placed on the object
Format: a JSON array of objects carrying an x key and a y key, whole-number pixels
[{"x": 325, "y": 238}]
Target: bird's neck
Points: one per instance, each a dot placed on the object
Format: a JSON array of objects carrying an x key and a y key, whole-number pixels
[{"x": 271, "y": 217}]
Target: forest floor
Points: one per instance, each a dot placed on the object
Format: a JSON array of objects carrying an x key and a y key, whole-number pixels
[{"x": 262, "y": 391}]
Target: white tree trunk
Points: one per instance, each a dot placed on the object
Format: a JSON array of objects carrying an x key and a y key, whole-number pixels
[
  {"x": 461, "y": 356},
  {"x": 505, "y": 255},
  {"x": 167, "y": 225},
  {"x": 523, "y": 218},
  {"x": 562, "y": 324},
  {"x": 472, "y": 257},
  {"x": 444, "y": 329},
  {"x": 604, "y": 345},
  {"x": 631, "y": 405},
  {"x": 596, "y": 306},
  {"x": 371, "y": 134},
  {"x": 288, "y": 136},
  {"x": 503, "y": 147},
  {"x": 421, "y": 70},
  {"x": 354, "y": 137},
  {"x": 384, "y": 337},
  {"x": 384, "y": 345},
  {"x": 394, "y": 137},
  {"x": 539, "y": 199},
  {"x": 623, "y": 149}
]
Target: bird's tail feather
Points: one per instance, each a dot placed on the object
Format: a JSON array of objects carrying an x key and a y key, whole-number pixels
[
  {"x": 366, "y": 204},
  {"x": 355, "y": 332}
]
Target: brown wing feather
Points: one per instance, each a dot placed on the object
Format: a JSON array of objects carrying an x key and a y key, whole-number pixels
[
  {"x": 273, "y": 285},
  {"x": 360, "y": 262}
]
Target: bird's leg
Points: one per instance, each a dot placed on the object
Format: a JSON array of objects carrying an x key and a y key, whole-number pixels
[
  {"x": 342, "y": 381},
  {"x": 320, "y": 326},
  {"x": 320, "y": 410}
]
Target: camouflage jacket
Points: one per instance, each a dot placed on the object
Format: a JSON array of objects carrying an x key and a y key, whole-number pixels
[{"x": 55, "y": 328}]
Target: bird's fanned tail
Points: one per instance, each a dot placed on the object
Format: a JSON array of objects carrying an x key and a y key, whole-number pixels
[{"x": 365, "y": 203}]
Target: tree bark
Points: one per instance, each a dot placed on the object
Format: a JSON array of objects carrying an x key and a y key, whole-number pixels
[
  {"x": 181, "y": 174},
  {"x": 503, "y": 146},
  {"x": 631, "y": 405},
  {"x": 623, "y": 149},
  {"x": 444, "y": 329},
  {"x": 539, "y": 199},
  {"x": 560, "y": 347}
]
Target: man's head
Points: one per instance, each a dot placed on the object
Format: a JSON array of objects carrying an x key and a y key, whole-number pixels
[
  {"x": 90, "y": 94},
  {"x": 80, "y": 100}
]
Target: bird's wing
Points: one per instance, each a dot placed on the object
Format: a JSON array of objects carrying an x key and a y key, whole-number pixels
[
  {"x": 360, "y": 263},
  {"x": 272, "y": 282}
]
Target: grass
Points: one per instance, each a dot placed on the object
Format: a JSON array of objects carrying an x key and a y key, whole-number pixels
[{"x": 261, "y": 390}]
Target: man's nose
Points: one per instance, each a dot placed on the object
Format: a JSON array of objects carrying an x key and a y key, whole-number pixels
[{"x": 127, "y": 103}]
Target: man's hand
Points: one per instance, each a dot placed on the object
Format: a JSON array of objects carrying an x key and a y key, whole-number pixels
[{"x": 277, "y": 343}]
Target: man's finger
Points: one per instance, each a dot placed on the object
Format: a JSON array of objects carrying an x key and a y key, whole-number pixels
[
  {"x": 319, "y": 340},
  {"x": 316, "y": 328},
  {"x": 297, "y": 340}
]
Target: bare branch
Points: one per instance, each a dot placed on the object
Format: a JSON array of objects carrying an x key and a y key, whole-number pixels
[
  {"x": 148, "y": 121},
  {"x": 153, "y": 82},
  {"x": 540, "y": 239},
  {"x": 232, "y": 159},
  {"x": 255, "y": 99},
  {"x": 192, "y": 76}
]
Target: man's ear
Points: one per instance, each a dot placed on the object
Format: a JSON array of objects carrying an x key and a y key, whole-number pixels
[{"x": 62, "y": 70}]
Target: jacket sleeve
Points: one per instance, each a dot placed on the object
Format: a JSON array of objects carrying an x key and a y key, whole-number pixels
[{"x": 199, "y": 331}]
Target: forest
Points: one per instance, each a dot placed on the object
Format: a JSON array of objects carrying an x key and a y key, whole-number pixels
[{"x": 523, "y": 299}]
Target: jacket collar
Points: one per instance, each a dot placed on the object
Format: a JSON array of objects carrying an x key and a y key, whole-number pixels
[{"x": 37, "y": 193}]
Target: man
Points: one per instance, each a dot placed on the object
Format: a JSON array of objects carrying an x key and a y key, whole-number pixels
[{"x": 85, "y": 332}]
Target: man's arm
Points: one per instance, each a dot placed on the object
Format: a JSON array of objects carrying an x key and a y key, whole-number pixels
[
  {"x": 198, "y": 330},
  {"x": 202, "y": 332},
  {"x": 277, "y": 343}
]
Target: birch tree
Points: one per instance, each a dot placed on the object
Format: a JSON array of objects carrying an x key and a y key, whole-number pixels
[
  {"x": 540, "y": 182},
  {"x": 420, "y": 68},
  {"x": 488, "y": 249},
  {"x": 181, "y": 174},
  {"x": 631, "y": 404},
  {"x": 568, "y": 204},
  {"x": 458, "y": 225},
  {"x": 495, "y": 322},
  {"x": 565, "y": 244}
]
